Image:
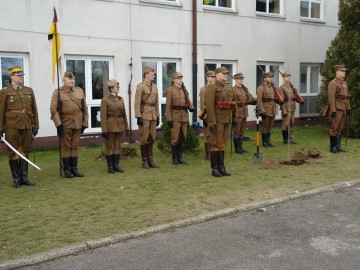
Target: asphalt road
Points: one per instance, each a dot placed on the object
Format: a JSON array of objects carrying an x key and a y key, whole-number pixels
[{"x": 317, "y": 232}]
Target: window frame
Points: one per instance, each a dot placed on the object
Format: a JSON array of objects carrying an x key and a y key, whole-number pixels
[
  {"x": 308, "y": 92},
  {"x": 267, "y": 13},
  {"x": 217, "y": 8},
  {"x": 163, "y": 2},
  {"x": 25, "y": 66},
  {"x": 309, "y": 18},
  {"x": 219, "y": 63}
]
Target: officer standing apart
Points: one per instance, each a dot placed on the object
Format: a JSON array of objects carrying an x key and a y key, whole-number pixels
[
  {"x": 177, "y": 106},
  {"x": 19, "y": 117},
  {"x": 221, "y": 108},
  {"x": 210, "y": 77},
  {"x": 243, "y": 98},
  {"x": 338, "y": 98},
  {"x": 147, "y": 115},
  {"x": 287, "y": 109},
  {"x": 113, "y": 125},
  {"x": 266, "y": 104},
  {"x": 70, "y": 122}
]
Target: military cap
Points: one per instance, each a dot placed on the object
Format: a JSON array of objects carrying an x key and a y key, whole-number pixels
[
  {"x": 286, "y": 74},
  {"x": 69, "y": 75},
  {"x": 210, "y": 74},
  {"x": 16, "y": 71},
  {"x": 221, "y": 70},
  {"x": 176, "y": 75},
  {"x": 340, "y": 67},
  {"x": 239, "y": 76},
  {"x": 147, "y": 70},
  {"x": 268, "y": 74},
  {"x": 112, "y": 83}
]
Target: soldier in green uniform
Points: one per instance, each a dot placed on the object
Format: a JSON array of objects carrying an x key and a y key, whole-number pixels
[
  {"x": 113, "y": 125},
  {"x": 19, "y": 117},
  {"x": 147, "y": 114},
  {"x": 70, "y": 122},
  {"x": 221, "y": 108},
  {"x": 177, "y": 106},
  {"x": 339, "y": 103}
]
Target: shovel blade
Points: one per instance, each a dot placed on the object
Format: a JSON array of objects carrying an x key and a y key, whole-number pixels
[{"x": 257, "y": 158}]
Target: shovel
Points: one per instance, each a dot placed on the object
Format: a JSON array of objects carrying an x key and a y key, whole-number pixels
[{"x": 257, "y": 158}]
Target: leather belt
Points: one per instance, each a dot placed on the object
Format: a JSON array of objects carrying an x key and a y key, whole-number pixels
[
  {"x": 69, "y": 113},
  {"x": 148, "y": 104},
  {"x": 178, "y": 108},
  {"x": 225, "y": 104},
  {"x": 20, "y": 111},
  {"x": 343, "y": 97},
  {"x": 267, "y": 99}
]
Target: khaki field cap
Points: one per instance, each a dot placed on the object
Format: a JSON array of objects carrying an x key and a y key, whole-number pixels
[
  {"x": 147, "y": 70},
  {"x": 239, "y": 76},
  {"x": 268, "y": 74},
  {"x": 221, "y": 70},
  {"x": 113, "y": 83},
  {"x": 284, "y": 74},
  {"x": 210, "y": 74},
  {"x": 340, "y": 67},
  {"x": 16, "y": 71},
  {"x": 176, "y": 75},
  {"x": 69, "y": 75}
]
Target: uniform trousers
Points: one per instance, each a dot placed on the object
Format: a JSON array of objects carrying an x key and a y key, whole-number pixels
[
  {"x": 20, "y": 139},
  {"x": 147, "y": 132},
  {"x": 220, "y": 137},
  {"x": 178, "y": 132},
  {"x": 287, "y": 120},
  {"x": 113, "y": 142},
  {"x": 69, "y": 142},
  {"x": 239, "y": 126},
  {"x": 206, "y": 135},
  {"x": 337, "y": 123},
  {"x": 267, "y": 124}
]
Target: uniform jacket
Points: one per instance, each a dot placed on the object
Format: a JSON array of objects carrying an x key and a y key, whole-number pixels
[
  {"x": 175, "y": 98},
  {"x": 338, "y": 95},
  {"x": 202, "y": 97},
  {"x": 21, "y": 99},
  {"x": 287, "y": 93},
  {"x": 113, "y": 114},
  {"x": 265, "y": 91},
  {"x": 219, "y": 92},
  {"x": 74, "y": 111},
  {"x": 243, "y": 98},
  {"x": 146, "y": 101}
]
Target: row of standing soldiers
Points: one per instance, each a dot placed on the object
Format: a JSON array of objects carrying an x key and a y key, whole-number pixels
[{"x": 222, "y": 108}]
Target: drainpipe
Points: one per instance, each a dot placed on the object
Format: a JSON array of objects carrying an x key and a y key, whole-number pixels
[{"x": 194, "y": 58}]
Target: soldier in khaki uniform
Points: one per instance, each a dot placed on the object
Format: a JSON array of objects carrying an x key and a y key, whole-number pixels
[
  {"x": 177, "y": 106},
  {"x": 70, "y": 122},
  {"x": 113, "y": 125},
  {"x": 243, "y": 98},
  {"x": 19, "y": 117},
  {"x": 338, "y": 98},
  {"x": 147, "y": 115},
  {"x": 221, "y": 109},
  {"x": 266, "y": 103},
  {"x": 210, "y": 77}
]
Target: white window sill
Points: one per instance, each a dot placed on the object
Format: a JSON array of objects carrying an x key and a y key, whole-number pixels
[
  {"x": 219, "y": 9},
  {"x": 160, "y": 2},
  {"x": 270, "y": 15},
  {"x": 311, "y": 20}
]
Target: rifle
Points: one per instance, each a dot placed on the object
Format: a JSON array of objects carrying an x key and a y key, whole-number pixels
[
  {"x": 186, "y": 95},
  {"x": 278, "y": 98},
  {"x": 251, "y": 102},
  {"x": 297, "y": 96}
]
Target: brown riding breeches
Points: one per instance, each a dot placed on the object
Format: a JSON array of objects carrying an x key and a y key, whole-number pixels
[
  {"x": 70, "y": 142},
  {"x": 267, "y": 124},
  {"x": 239, "y": 127},
  {"x": 147, "y": 132},
  {"x": 220, "y": 137},
  {"x": 113, "y": 143},
  {"x": 178, "y": 132},
  {"x": 337, "y": 123},
  {"x": 20, "y": 139}
]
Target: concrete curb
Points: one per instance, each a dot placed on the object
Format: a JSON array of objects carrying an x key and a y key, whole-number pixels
[{"x": 74, "y": 249}]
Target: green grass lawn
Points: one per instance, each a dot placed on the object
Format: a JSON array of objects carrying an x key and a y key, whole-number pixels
[{"x": 58, "y": 211}]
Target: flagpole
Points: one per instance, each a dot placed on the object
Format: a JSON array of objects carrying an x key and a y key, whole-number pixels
[{"x": 58, "y": 86}]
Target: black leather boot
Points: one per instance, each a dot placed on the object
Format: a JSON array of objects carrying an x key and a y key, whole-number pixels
[
  {"x": 24, "y": 169},
  {"x": 264, "y": 140},
  {"x": 338, "y": 144},
  {"x": 151, "y": 162},
  {"x": 285, "y": 136},
  {"x": 242, "y": 150},
  {"x": 179, "y": 155},
  {"x": 237, "y": 147},
  {"x": 14, "y": 167},
  {"x": 268, "y": 140},
  {"x": 144, "y": 160},
  {"x": 174, "y": 149},
  {"x": 221, "y": 164},
  {"x": 74, "y": 169},
  {"x": 215, "y": 164},
  {"x": 116, "y": 159},
  {"x": 66, "y": 165},
  {"x": 333, "y": 143},
  {"x": 110, "y": 164}
]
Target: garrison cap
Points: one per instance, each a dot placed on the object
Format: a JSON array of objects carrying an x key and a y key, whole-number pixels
[
  {"x": 147, "y": 70},
  {"x": 284, "y": 74},
  {"x": 176, "y": 75},
  {"x": 16, "y": 71},
  {"x": 210, "y": 74},
  {"x": 268, "y": 74},
  {"x": 239, "y": 76},
  {"x": 69, "y": 75},
  {"x": 340, "y": 67},
  {"x": 221, "y": 70},
  {"x": 112, "y": 83}
]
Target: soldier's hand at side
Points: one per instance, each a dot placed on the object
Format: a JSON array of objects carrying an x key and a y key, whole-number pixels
[
  {"x": 105, "y": 135},
  {"x": 157, "y": 121},
  {"x": 212, "y": 129},
  {"x": 59, "y": 130},
  {"x": 139, "y": 121},
  {"x": 333, "y": 114},
  {"x": 191, "y": 109},
  {"x": 126, "y": 133},
  {"x": 82, "y": 129},
  {"x": 205, "y": 123},
  {"x": 170, "y": 123},
  {"x": 263, "y": 115},
  {"x": 348, "y": 112},
  {"x": 34, "y": 131}
]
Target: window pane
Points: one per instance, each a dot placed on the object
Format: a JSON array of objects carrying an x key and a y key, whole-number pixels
[
  {"x": 312, "y": 105},
  {"x": 95, "y": 119},
  {"x": 274, "y": 6},
  {"x": 304, "y": 9},
  {"x": 229, "y": 67},
  {"x": 99, "y": 77},
  {"x": 225, "y": 3},
  {"x": 168, "y": 69},
  {"x": 259, "y": 74},
  {"x": 208, "y": 67},
  {"x": 261, "y": 5},
  {"x": 315, "y": 10},
  {"x": 314, "y": 79},
  {"x": 304, "y": 108},
  {"x": 303, "y": 79},
  {"x": 152, "y": 65},
  {"x": 209, "y": 2},
  {"x": 77, "y": 67},
  {"x": 6, "y": 63},
  {"x": 275, "y": 71}
]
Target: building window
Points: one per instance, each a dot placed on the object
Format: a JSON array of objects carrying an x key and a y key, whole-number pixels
[
  {"x": 163, "y": 2},
  {"x": 221, "y": 4},
  {"x": 91, "y": 75},
  {"x": 8, "y": 61},
  {"x": 310, "y": 9},
  {"x": 212, "y": 65},
  {"x": 163, "y": 69},
  {"x": 269, "y": 6},
  {"x": 309, "y": 88}
]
